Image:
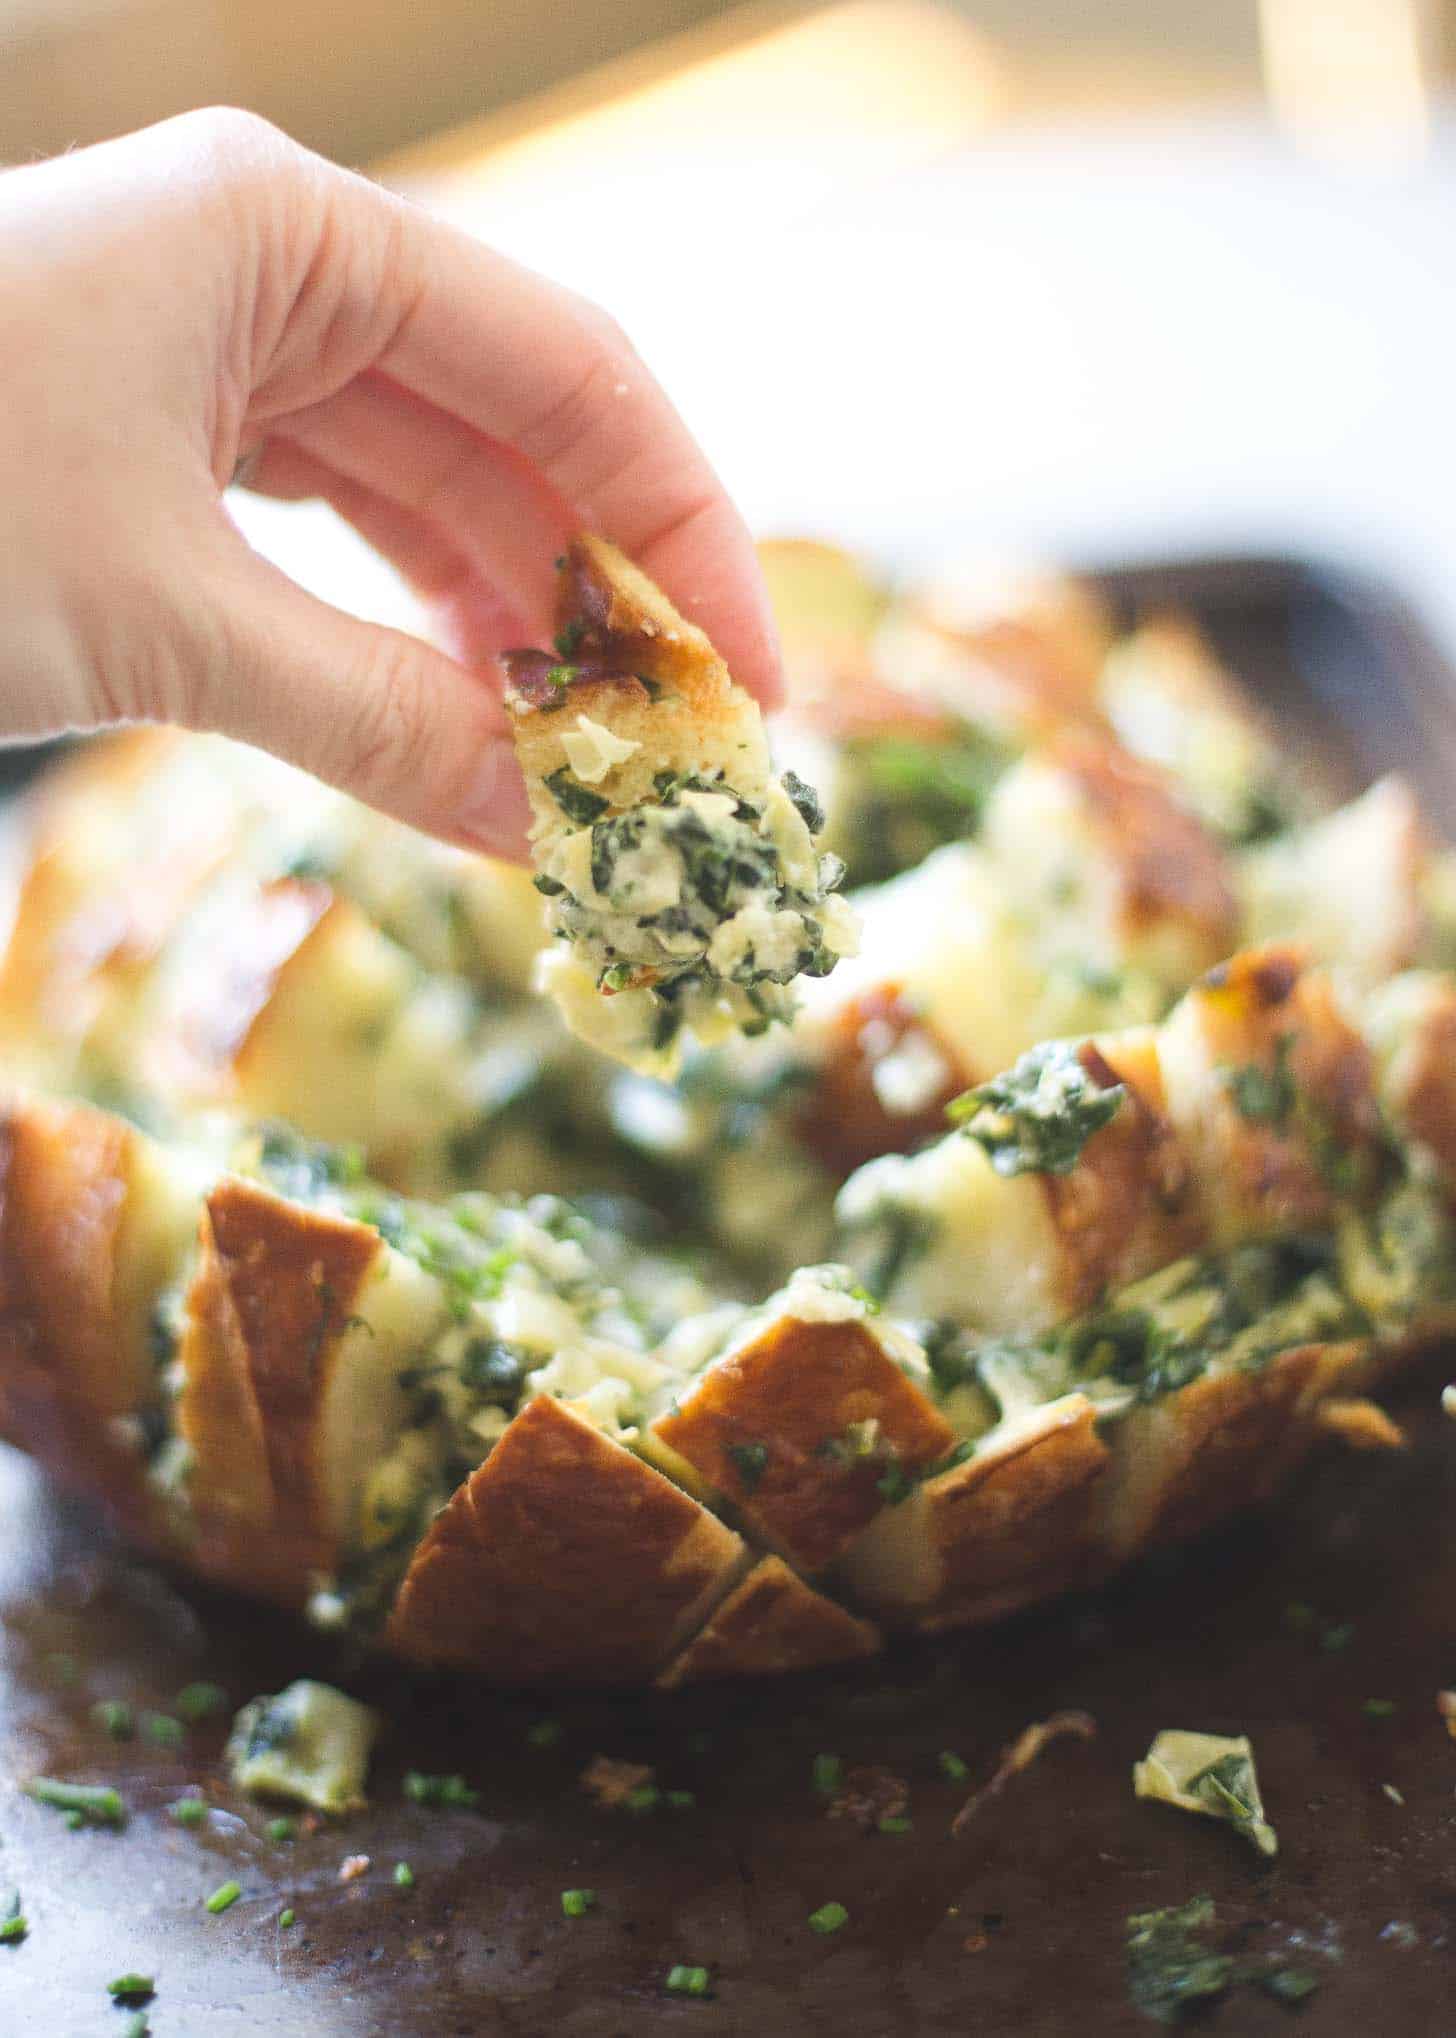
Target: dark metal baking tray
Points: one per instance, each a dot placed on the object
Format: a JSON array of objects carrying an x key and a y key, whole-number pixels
[{"x": 1017, "y": 1926}]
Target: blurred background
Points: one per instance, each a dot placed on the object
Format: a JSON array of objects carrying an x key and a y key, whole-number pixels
[{"x": 1113, "y": 281}]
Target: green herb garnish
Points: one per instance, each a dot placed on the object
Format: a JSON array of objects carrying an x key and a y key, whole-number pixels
[
  {"x": 1168, "y": 1968},
  {"x": 575, "y": 1903},
  {"x": 644, "y": 1798},
  {"x": 687, "y": 1981},
  {"x": 750, "y": 1461},
  {"x": 450, "y": 1791},
  {"x": 894, "y": 1823},
  {"x": 1038, "y": 1116},
  {"x": 81, "y": 1801},
  {"x": 953, "y": 1766},
  {"x": 13, "y": 1927},
  {"x": 404, "y": 1875},
  {"x": 281, "y": 1830},
  {"x": 1378, "y": 1708},
  {"x": 201, "y": 1701},
  {"x": 286, "y": 1918},
  {"x": 1264, "y": 1096},
  {"x": 162, "y": 1730},
  {"x": 188, "y": 1811},
  {"x": 114, "y": 1717},
  {"x": 828, "y": 1918},
  {"x": 574, "y": 799},
  {"x": 129, "y": 1987},
  {"x": 682, "y": 1800},
  {"x": 223, "y": 1897},
  {"x": 828, "y": 1774}
]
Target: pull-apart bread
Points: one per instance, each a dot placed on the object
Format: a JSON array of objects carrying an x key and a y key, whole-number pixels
[{"x": 1115, "y": 1172}]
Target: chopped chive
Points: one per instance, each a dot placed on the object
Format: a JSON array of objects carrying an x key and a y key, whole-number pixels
[
  {"x": 82, "y": 1801},
  {"x": 162, "y": 1730},
  {"x": 644, "y": 1798},
  {"x": 953, "y": 1766},
  {"x": 828, "y": 1774},
  {"x": 893, "y": 1823},
  {"x": 286, "y": 1918},
  {"x": 136, "y": 2026},
  {"x": 114, "y": 1717},
  {"x": 1378, "y": 1708},
  {"x": 222, "y": 1897},
  {"x": 127, "y": 1986},
  {"x": 828, "y": 1918},
  {"x": 13, "y": 1927},
  {"x": 440, "y": 1790},
  {"x": 1338, "y": 1635},
  {"x": 575, "y": 1903},
  {"x": 545, "y": 1733},
  {"x": 404, "y": 1875},
  {"x": 682, "y": 1800},
  {"x": 687, "y": 1981},
  {"x": 188, "y": 1811},
  {"x": 200, "y": 1701},
  {"x": 75, "y": 1821},
  {"x": 281, "y": 1829}
]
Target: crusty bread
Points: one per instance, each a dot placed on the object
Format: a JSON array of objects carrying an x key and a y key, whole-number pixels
[
  {"x": 793, "y": 1393},
  {"x": 1266, "y": 1083},
  {"x": 622, "y": 630},
  {"x": 563, "y": 1557},
  {"x": 770, "y": 1623}
]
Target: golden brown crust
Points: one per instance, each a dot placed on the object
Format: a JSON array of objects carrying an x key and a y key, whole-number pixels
[
  {"x": 770, "y": 1623},
  {"x": 1129, "y": 1205},
  {"x": 1420, "y": 1082},
  {"x": 623, "y": 630},
  {"x": 792, "y": 1395},
  {"x": 274, "y": 1290},
  {"x": 1225, "y": 1442},
  {"x": 562, "y": 1557},
  {"x": 1270, "y": 1088},
  {"x": 1012, "y": 1525}
]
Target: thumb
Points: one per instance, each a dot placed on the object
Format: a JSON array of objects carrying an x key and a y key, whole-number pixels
[{"x": 374, "y": 711}]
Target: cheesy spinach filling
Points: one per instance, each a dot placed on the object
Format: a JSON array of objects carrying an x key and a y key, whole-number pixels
[{"x": 701, "y": 905}]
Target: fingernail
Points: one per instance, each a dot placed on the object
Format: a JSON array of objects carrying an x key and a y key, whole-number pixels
[{"x": 496, "y": 813}]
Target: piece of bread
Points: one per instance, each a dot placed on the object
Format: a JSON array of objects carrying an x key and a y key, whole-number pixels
[
  {"x": 1016, "y": 1522},
  {"x": 770, "y": 1623},
  {"x": 807, "y": 1427},
  {"x": 685, "y": 892},
  {"x": 563, "y": 1558}
]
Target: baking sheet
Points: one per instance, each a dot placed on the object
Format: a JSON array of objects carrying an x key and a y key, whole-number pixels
[{"x": 1017, "y": 1925}]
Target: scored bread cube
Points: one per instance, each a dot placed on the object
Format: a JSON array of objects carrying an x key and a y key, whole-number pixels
[
  {"x": 1016, "y": 1522},
  {"x": 771, "y": 1623},
  {"x": 562, "y": 1556},
  {"x": 809, "y": 1425},
  {"x": 297, "y": 1325},
  {"x": 685, "y": 891},
  {"x": 1272, "y": 1093}
]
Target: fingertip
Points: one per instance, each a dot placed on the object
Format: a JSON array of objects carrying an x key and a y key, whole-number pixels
[{"x": 495, "y": 814}]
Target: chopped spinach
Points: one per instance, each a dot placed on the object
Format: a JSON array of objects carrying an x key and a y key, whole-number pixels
[
  {"x": 750, "y": 1462},
  {"x": 1169, "y": 1967},
  {"x": 1265, "y": 1096},
  {"x": 1038, "y": 1116},
  {"x": 807, "y": 803},
  {"x": 575, "y": 801}
]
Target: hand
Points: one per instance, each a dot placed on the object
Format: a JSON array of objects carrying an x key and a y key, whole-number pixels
[{"x": 206, "y": 293}]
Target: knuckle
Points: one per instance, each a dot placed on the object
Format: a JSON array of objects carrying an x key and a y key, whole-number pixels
[
  {"x": 388, "y": 741},
  {"x": 578, "y": 415}
]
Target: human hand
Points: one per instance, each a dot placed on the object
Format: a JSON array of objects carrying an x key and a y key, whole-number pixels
[{"x": 205, "y": 294}]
